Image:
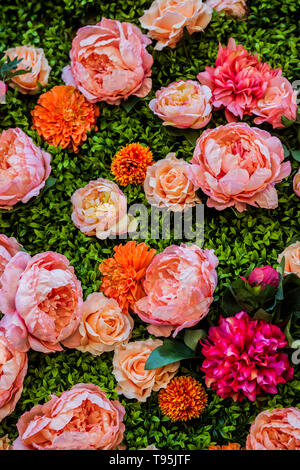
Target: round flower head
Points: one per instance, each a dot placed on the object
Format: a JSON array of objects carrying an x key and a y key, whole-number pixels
[
  {"x": 129, "y": 165},
  {"x": 8, "y": 248},
  {"x": 291, "y": 256},
  {"x": 264, "y": 276},
  {"x": 5, "y": 443},
  {"x": 236, "y": 8},
  {"x": 296, "y": 183},
  {"x": 244, "y": 358},
  {"x": 229, "y": 446}
]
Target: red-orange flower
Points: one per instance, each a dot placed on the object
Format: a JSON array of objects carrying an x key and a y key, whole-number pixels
[
  {"x": 183, "y": 399},
  {"x": 130, "y": 164},
  {"x": 229, "y": 446},
  {"x": 123, "y": 274},
  {"x": 63, "y": 116}
]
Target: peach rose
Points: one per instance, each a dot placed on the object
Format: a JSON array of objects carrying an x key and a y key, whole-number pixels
[
  {"x": 35, "y": 59},
  {"x": 109, "y": 62},
  {"x": 42, "y": 300},
  {"x": 8, "y": 248},
  {"x": 13, "y": 368},
  {"x": 24, "y": 168},
  {"x": 5, "y": 443},
  {"x": 296, "y": 183},
  {"x": 82, "y": 418},
  {"x": 279, "y": 100},
  {"x": 236, "y": 165},
  {"x": 292, "y": 258},
  {"x": 166, "y": 20},
  {"x": 3, "y": 89},
  {"x": 278, "y": 429},
  {"x": 179, "y": 286},
  {"x": 183, "y": 104},
  {"x": 133, "y": 380},
  {"x": 167, "y": 184},
  {"x": 231, "y": 7},
  {"x": 103, "y": 325},
  {"x": 100, "y": 208}
]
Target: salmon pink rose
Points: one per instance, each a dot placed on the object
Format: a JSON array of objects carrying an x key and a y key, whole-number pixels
[
  {"x": 179, "y": 286},
  {"x": 42, "y": 300},
  {"x": 296, "y": 183},
  {"x": 236, "y": 165},
  {"x": 8, "y": 248},
  {"x": 183, "y": 104},
  {"x": 134, "y": 381},
  {"x": 13, "y": 368},
  {"x": 3, "y": 88},
  {"x": 278, "y": 429},
  {"x": 166, "y": 20},
  {"x": 236, "y": 8},
  {"x": 100, "y": 208},
  {"x": 167, "y": 184},
  {"x": 292, "y": 258},
  {"x": 109, "y": 62},
  {"x": 34, "y": 59},
  {"x": 24, "y": 168},
  {"x": 82, "y": 418}
]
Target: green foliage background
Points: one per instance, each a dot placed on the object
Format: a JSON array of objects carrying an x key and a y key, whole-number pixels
[{"x": 252, "y": 238}]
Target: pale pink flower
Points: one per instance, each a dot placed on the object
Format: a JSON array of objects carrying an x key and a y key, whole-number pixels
[
  {"x": 183, "y": 104},
  {"x": 296, "y": 183},
  {"x": 291, "y": 256},
  {"x": 109, "y": 62},
  {"x": 82, "y": 418},
  {"x": 3, "y": 88},
  {"x": 166, "y": 20},
  {"x": 236, "y": 8},
  {"x": 179, "y": 286},
  {"x": 236, "y": 165},
  {"x": 8, "y": 248},
  {"x": 24, "y": 168}
]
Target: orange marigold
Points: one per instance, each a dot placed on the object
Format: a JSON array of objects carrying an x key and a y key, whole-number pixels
[
  {"x": 130, "y": 164},
  {"x": 183, "y": 399},
  {"x": 123, "y": 274},
  {"x": 229, "y": 446},
  {"x": 63, "y": 116}
]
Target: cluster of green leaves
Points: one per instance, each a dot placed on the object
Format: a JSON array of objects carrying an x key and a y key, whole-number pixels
[
  {"x": 9, "y": 67},
  {"x": 240, "y": 241}
]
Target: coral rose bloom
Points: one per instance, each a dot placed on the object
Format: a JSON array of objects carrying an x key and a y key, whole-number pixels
[
  {"x": 179, "y": 287},
  {"x": 8, "y": 248},
  {"x": 31, "y": 58},
  {"x": 292, "y": 258},
  {"x": 41, "y": 299},
  {"x": 100, "y": 208},
  {"x": 231, "y": 7},
  {"x": 103, "y": 325},
  {"x": 236, "y": 165},
  {"x": 183, "y": 104},
  {"x": 13, "y": 368},
  {"x": 129, "y": 370},
  {"x": 24, "y": 168},
  {"x": 109, "y": 62},
  {"x": 296, "y": 183},
  {"x": 278, "y": 429},
  {"x": 167, "y": 184},
  {"x": 166, "y": 20},
  {"x": 82, "y": 418}
]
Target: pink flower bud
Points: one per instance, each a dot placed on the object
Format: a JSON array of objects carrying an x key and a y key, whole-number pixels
[{"x": 264, "y": 276}]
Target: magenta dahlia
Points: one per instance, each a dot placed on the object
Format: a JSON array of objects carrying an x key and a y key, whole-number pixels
[{"x": 244, "y": 358}]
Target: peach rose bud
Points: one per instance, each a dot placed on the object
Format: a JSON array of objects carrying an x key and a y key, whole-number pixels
[
  {"x": 296, "y": 183},
  {"x": 236, "y": 8},
  {"x": 292, "y": 258},
  {"x": 31, "y": 58},
  {"x": 183, "y": 104}
]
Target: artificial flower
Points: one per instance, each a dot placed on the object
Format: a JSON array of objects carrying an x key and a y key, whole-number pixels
[
  {"x": 82, "y": 418},
  {"x": 5, "y": 443},
  {"x": 229, "y": 446},
  {"x": 8, "y": 248},
  {"x": 3, "y": 89},
  {"x": 236, "y": 165},
  {"x": 129, "y": 165},
  {"x": 183, "y": 104},
  {"x": 63, "y": 116},
  {"x": 150, "y": 447},
  {"x": 109, "y": 62},
  {"x": 296, "y": 183},
  {"x": 24, "y": 168},
  {"x": 134, "y": 381},
  {"x": 291, "y": 256},
  {"x": 236, "y": 8},
  {"x": 264, "y": 276},
  {"x": 245, "y": 358},
  {"x": 179, "y": 286},
  {"x": 123, "y": 274}
]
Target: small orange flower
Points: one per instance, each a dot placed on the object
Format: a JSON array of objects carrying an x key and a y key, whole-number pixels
[
  {"x": 63, "y": 116},
  {"x": 229, "y": 446},
  {"x": 130, "y": 164},
  {"x": 183, "y": 399},
  {"x": 123, "y": 274}
]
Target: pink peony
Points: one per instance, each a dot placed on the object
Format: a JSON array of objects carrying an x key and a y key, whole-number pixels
[
  {"x": 8, "y": 248},
  {"x": 179, "y": 286},
  {"x": 264, "y": 276},
  {"x": 183, "y": 104},
  {"x": 109, "y": 62},
  {"x": 243, "y": 358},
  {"x": 236, "y": 8},
  {"x": 238, "y": 81},
  {"x": 24, "y": 168},
  {"x": 278, "y": 429},
  {"x": 296, "y": 183},
  {"x": 3, "y": 88},
  {"x": 13, "y": 368},
  {"x": 82, "y": 418},
  {"x": 41, "y": 299},
  {"x": 236, "y": 165}
]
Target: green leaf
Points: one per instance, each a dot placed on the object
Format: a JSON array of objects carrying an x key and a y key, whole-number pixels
[
  {"x": 192, "y": 338},
  {"x": 296, "y": 155},
  {"x": 129, "y": 104},
  {"x": 286, "y": 151},
  {"x": 261, "y": 314},
  {"x": 287, "y": 122},
  {"x": 191, "y": 135},
  {"x": 48, "y": 184},
  {"x": 171, "y": 351}
]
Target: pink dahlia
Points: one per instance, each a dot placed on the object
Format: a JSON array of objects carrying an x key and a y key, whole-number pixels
[{"x": 243, "y": 358}]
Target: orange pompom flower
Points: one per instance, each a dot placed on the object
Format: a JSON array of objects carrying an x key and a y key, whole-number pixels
[
  {"x": 229, "y": 446},
  {"x": 123, "y": 274},
  {"x": 130, "y": 164},
  {"x": 183, "y": 399},
  {"x": 63, "y": 116}
]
